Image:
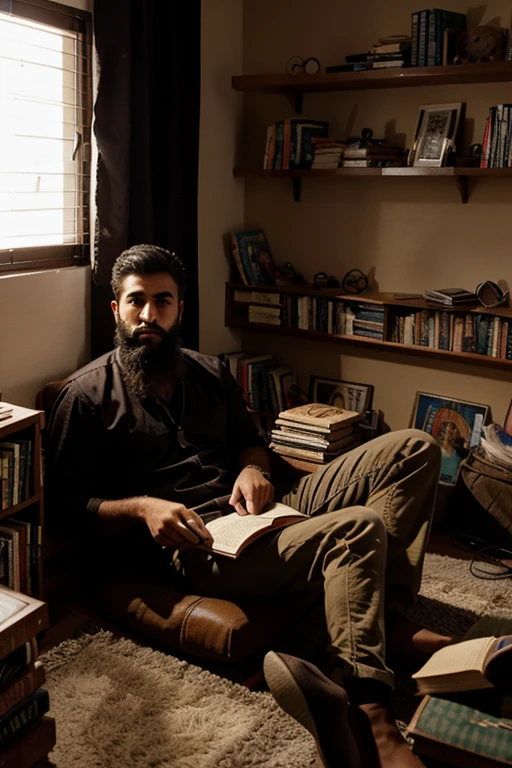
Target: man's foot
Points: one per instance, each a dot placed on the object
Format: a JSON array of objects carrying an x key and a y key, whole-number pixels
[
  {"x": 392, "y": 749},
  {"x": 411, "y": 645},
  {"x": 318, "y": 704}
]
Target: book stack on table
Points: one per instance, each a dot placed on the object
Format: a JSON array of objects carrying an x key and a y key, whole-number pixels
[
  {"x": 26, "y": 734},
  {"x": 315, "y": 432}
]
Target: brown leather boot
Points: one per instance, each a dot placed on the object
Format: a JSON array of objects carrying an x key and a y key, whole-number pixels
[
  {"x": 318, "y": 704},
  {"x": 382, "y": 744}
]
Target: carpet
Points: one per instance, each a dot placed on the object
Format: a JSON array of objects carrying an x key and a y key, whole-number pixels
[{"x": 120, "y": 705}]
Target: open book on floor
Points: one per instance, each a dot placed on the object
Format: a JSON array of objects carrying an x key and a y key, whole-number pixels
[
  {"x": 467, "y": 666},
  {"x": 233, "y": 533}
]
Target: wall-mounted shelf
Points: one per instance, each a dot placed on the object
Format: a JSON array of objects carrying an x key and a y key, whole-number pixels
[
  {"x": 408, "y": 77},
  {"x": 461, "y": 176},
  {"x": 237, "y": 317}
]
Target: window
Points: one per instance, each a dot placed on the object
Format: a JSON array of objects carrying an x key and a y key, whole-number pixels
[{"x": 45, "y": 116}]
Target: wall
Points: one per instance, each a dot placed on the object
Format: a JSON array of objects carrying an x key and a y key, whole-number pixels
[
  {"x": 221, "y": 198},
  {"x": 44, "y": 321},
  {"x": 414, "y": 233}
]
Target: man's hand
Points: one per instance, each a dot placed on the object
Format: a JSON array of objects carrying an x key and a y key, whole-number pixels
[
  {"x": 253, "y": 489},
  {"x": 173, "y": 525}
]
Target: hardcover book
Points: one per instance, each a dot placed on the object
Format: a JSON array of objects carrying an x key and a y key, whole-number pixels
[
  {"x": 321, "y": 415},
  {"x": 460, "y": 735}
]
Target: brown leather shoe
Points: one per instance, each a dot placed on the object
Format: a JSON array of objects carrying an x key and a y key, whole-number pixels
[{"x": 318, "y": 704}]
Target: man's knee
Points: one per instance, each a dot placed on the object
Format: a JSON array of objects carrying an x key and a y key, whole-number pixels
[
  {"x": 415, "y": 440},
  {"x": 363, "y": 518}
]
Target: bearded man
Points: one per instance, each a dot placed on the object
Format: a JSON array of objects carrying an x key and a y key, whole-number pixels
[{"x": 150, "y": 440}]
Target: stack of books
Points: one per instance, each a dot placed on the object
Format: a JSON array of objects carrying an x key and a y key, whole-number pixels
[
  {"x": 327, "y": 152},
  {"x": 389, "y": 55},
  {"x": 450, "y": 297},
  {"x": 315, "y": 432},
  {"x": 373, "y": 156},
  {"x": 26, "y": 734}
]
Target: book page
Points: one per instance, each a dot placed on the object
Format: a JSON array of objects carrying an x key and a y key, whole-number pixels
[
  {"x": 230, "y": 531},
  {"x": 461, "y": 657}
]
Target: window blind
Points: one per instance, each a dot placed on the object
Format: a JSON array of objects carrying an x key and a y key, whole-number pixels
[{"x": 45, "y": 117}]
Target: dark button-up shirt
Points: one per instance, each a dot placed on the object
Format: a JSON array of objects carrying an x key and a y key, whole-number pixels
[{"x": 106, "y": 444}]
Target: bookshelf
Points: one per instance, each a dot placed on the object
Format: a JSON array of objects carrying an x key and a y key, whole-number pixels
[
  {"x": 237, "y": 317},
  {"x": 295, "y": 86},
  {"x": 20, "y": 555},
  {"x": 461, "y": 176}
]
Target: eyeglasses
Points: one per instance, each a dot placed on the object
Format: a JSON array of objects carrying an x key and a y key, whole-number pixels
[{"x": 491, "y": 295}]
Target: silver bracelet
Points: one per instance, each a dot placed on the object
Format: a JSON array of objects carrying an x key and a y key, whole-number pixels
[{"x": 264, "y": 472}]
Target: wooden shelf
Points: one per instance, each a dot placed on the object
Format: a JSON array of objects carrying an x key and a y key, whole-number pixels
[
  {"x": 461, "y": 176},
  {"x": 233, "y": 320},
  {"x": 407, "y": 77},
  {"x": 463, "y": 357},
  {"x": 22, "y": 505}
]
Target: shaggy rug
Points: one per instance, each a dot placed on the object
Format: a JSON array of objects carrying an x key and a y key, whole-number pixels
[{"x": 117, "y": 704}]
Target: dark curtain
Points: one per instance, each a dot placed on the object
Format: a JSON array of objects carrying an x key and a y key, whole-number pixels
[{"x": 147, "y": 129}]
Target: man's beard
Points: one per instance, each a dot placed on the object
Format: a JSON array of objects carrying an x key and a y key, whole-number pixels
[{"x": 142, "y": 363}]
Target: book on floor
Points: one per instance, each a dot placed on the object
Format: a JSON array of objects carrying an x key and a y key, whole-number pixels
[
  {"x": 233, "y": 533},
  {"x": 463, "y": 666},
  {"x": 460, "y": 735}
]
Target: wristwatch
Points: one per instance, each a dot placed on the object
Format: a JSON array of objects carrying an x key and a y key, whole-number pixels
[{"x": 264, "y": 472}]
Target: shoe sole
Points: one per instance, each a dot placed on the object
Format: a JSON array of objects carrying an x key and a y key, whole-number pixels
[{"x": 289, "y": 696}]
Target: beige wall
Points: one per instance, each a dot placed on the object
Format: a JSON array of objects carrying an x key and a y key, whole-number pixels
[
  {"x": 414, "y": 233},
  {"x": 44, "y": 322},
  {"x": 221, "y": 198}
]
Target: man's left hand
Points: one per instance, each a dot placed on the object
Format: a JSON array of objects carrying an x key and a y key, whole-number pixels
[{"x": 253, "y": 490}]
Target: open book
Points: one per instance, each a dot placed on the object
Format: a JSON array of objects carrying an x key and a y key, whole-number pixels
[
  {"x": 233, "y": 533},
  {"x": 464, "y": 666}
]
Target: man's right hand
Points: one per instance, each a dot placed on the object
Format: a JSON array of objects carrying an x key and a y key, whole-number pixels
[{"x": 173, "y": 525}]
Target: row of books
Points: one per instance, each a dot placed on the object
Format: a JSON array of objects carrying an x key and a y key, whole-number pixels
[
  {"x": 16, "y": 457},
  {"x": 265, "y": 383},
  {"x": 496, "y": 144},
  {"x": 20, "y": 549},
  {"x": 433, "y": 36},
  {"x": 312, "y": 313},
  {"x": 315, "y": 432},
  {"x": 27, "y": 734},
  {"x": 455, "y": 332},
  {"x": 289, "y": 143}
]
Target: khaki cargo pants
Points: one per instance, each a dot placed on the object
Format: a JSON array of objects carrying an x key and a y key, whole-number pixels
[{"x": 370, "y": 514}]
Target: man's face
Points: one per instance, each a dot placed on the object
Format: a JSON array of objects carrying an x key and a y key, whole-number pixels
[{"x": 148, "y": 306}]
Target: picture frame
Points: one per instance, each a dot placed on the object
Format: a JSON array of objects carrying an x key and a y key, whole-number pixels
[
  {"x": 351, "y": 395},
  {"x": 456, "y": 425},
  {"x": 436, "y": 132}
]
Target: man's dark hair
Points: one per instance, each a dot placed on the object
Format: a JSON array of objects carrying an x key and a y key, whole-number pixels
[{"x": 147, "y": 260}]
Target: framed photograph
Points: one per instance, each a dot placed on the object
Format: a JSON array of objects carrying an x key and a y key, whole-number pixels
[
  {"x": 342, "y": 394},
  {"x": 436, "y": 132},
  {"x": 456, "y": 424}
]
